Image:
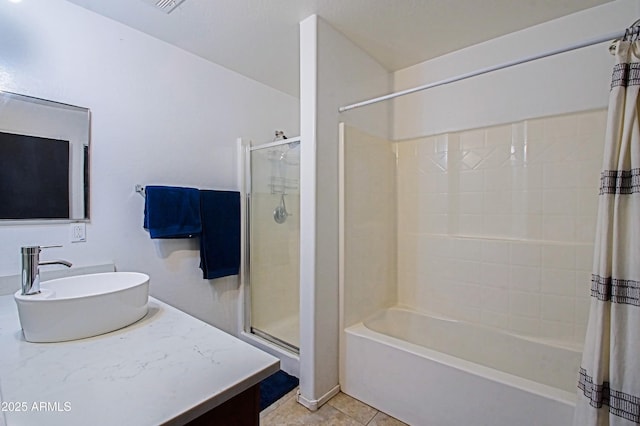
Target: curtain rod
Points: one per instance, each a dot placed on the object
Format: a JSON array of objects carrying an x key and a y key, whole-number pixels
[{"x": 590, "y": 42}]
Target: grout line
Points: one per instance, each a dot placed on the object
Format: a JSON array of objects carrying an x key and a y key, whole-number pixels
[
  {"x": 370, "y": 420},
  {"x": 351, "y": 417},
  {"x": 503, "y": 239}
]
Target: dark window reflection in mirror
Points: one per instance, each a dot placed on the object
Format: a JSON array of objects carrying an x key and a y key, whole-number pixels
[{"x": 44, "y": 160}]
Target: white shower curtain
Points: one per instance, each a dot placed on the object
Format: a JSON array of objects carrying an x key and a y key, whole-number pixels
[{"x": 609, "y": 380}]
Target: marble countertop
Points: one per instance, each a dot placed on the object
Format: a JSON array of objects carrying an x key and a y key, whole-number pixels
[{"x": 167, "y": 368}]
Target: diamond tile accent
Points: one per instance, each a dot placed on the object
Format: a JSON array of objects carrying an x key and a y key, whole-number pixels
[
  {"x": 471, "y": 159},
  {"x": 529, "y": 185},
  {"x": 440, "y": 160}
]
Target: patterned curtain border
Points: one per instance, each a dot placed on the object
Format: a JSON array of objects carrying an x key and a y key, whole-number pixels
[
  {"x": 625, "y": 75},
  {"x": 620, "y": 181},
  {"x": 615, "y": 290},
  {"x": 620, "y": 404}
]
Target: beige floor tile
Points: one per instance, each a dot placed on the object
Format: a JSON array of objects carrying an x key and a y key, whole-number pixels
[
  {"x": 278, "y": 403},
  {"x": 353, "y": 408},
  {"x": 293, "y": 414},
  {"x": 381, "y": 419}
]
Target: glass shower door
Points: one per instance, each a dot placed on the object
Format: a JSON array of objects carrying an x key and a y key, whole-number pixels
[{"x": 274, "y": 243}]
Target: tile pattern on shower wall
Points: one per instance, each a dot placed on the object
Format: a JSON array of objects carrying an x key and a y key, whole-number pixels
[{"x": 496, "y": 225}]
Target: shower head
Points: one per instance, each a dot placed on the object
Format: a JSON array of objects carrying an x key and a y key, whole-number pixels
[{"x": 279, "y": 135}]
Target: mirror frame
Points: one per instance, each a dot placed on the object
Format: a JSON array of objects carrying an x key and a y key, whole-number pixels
[{"x": 31, "y": 116}]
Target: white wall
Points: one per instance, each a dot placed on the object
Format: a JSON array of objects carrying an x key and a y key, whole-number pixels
[
  {"x": 159, "y": 116},
  {"x": 573, "y": 81},
  {"x": 333, "y": 72}
]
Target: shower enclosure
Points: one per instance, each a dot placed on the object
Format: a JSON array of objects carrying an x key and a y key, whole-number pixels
[
  {"x": 466, "y": 260},
  {"x": 272, "y": 242}
]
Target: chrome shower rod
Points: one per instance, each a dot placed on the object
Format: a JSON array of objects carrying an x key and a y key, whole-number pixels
[{"x": 586, "y": 43}]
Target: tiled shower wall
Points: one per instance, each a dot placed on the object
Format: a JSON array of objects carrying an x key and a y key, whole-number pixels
[
  {"x": 496, "y": 225},
  {"x": 369, "y": 193}
]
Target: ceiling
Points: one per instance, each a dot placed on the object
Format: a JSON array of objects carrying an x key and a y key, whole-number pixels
[{"x": 259, "y": 38}]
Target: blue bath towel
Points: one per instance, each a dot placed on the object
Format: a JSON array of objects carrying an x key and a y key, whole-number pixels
[
  {"x": 220, "y": 239},
  {"x": 172, "y": 212}
]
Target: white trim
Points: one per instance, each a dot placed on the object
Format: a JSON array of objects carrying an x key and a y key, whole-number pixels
[
  {"x": 243, "y": 177},
  {"x": 275, "y": 143},
  {"x": 313, "y": 405},
  {"x": 308, "y": 203},
  {"x": 341, "y": 248}
]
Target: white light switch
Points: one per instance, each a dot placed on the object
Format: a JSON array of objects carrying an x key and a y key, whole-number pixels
[{"x": 78, "y": 233}]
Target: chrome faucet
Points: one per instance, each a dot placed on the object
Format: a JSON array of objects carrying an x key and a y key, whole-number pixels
[{"x": 31, "y": 268}]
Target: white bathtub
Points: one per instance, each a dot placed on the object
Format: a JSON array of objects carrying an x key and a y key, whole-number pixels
[{"x": 425, "y": 370}]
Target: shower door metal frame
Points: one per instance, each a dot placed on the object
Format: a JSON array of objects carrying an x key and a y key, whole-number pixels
[{"x": 247, "y": 327}]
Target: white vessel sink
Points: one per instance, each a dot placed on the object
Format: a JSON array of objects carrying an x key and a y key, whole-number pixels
[{"x": 83, "y": 306}]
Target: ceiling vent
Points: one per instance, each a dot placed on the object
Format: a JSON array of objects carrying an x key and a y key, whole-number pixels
[{"x": 164, "y": 5}]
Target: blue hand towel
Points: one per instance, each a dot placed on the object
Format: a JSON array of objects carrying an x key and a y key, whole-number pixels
[
  {"x": 220, "y": 239},
  {"x": 172, "y": 212}
]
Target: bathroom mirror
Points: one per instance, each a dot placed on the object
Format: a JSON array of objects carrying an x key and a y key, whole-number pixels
[{"x": 44, "y": 160}]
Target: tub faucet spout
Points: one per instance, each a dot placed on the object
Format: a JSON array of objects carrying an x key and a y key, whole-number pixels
[{"x": 31, "y": 268}]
